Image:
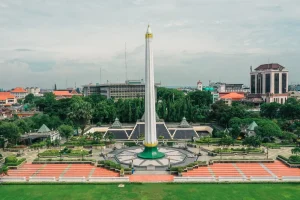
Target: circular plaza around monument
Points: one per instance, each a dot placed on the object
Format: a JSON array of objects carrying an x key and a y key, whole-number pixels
[{"x": 172, "y": 156}]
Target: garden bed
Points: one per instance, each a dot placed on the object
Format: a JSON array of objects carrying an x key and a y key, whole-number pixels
[
  {"x": 288, "y": 162},
  {"x": 64, "y": 153},
  {"x": 61, "y": 161},
  {"x": 13, "y": 163}
]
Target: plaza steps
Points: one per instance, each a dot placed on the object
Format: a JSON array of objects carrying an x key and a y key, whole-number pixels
[
  {"x": 52, "y": 170},
  {"x": 201, "y": 171},
  {"x": 26, "y": 170},
  {"x": 280, "y": 169},
  {"x": 78, "y": 170},
  {"x": 102, "y": 172},
  {"x": 253, "y": 169},
  {"x": 225, "y": 170}
]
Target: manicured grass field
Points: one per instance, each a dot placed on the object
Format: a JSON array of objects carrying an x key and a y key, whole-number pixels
[{"x": 152, "y": 191}]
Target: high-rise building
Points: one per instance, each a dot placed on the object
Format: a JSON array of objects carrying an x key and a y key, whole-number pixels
[{"x": 271, "y": 82}]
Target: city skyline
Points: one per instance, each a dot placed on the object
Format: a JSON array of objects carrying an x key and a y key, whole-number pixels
[{"x": 50, "y": 42}]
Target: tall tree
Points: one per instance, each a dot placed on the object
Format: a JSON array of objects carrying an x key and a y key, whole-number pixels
[
  {"x": 65, "y": 131},
  {"x": 81, "y": 112},
  {"x": 10, "y": 131}
]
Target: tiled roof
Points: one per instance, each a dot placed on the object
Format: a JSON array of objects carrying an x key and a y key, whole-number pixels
[
  {"x": 62, "y": 93},
  {"x": 269, "y": 66},
  {"x": 233, "y": 95},
  {"x": 6, "y": 95},
  {"x": 19, "y": 90}
]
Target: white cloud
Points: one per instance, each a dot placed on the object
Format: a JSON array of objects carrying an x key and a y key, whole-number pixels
[{"x": 202, "y": 39}]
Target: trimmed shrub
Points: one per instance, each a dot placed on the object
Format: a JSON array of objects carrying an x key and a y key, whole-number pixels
[
  {"x": 294, "y": 159},
  {"x": 11, "y": 159}
]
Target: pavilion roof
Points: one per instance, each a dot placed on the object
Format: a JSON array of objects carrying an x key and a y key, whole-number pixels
[
  {"x": 184, "y": 123},
  {"x": 252, "y": 126},
  {"x": 116, "y": 124},
  {"x": 44, "y": 129}
]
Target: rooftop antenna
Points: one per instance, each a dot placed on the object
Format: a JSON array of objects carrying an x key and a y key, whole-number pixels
[{"x": 126, "y": 62}]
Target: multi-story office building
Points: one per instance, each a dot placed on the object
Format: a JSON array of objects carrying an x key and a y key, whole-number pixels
[
  {"x": 129, "y": 89},
  {"x": 271, "y": 82}
]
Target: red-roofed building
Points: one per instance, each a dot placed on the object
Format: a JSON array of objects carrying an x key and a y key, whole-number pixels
[
  {"x": 19, "y": 93},
  {"x": 233, "y": 96},
  {"x": 7, "y": 99},
  {"x": 61, "y": 94}
]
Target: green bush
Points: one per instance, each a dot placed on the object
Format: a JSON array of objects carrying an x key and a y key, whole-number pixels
[
  {"x": 127, "y": 169},
  {"x": 130, "y": 144},
  {"x": 180, "y": 169},
  {"x": 101, "y": 162},
  {"x": 118, "y": 166},
  {"x": 51, "y": 152},
  {"x": 294, "y": 159},
  {"x": 170, "y": 144},
  {"x": 1, "y": 155},
  {"x": 174, "y": 169},
  {"x": 282, "y": 157},
  {"x": 11, "y": 159}
]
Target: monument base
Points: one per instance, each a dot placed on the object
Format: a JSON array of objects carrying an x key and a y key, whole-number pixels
[{"x": 151, "y": 153}]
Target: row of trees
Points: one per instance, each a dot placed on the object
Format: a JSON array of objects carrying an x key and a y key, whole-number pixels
[
  {"x": 171, "y": 105},
  {"x": 290, "y": 110}
]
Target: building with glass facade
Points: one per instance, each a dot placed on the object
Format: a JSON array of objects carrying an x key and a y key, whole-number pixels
[{"x": 271, "y": 82}]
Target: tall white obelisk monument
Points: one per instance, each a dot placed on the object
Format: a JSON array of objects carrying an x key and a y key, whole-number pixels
[{"x": 150, "y": 143}]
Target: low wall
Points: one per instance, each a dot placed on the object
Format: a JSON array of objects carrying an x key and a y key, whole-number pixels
[
  {"x": 72, "y": 179},
  {"x": 263, "y": 178},
  {"x": 12, "y": 179},
  {"x": 108, "y": 179},
  {"x": 194, "y": 179},
  {"x": 231, "y": 179},
  {"x": 291, "y": 178},
  {"x": 42, "y": 179}
]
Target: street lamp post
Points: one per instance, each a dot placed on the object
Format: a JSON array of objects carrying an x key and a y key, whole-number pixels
[
  {"x": 221, "y": 153},
  {"x": 38, "y": 153},
  {"x": 169, "y": 164},
  {"x": 60, "y": 153},
  {"x": 81, "y": 154}
]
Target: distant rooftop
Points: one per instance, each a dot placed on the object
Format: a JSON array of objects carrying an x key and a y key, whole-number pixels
[
  {"x": 19, "y": 90},
  {"x": 274, "y": 66}
]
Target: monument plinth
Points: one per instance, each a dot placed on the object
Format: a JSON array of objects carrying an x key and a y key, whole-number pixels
[{"x": 150, "y": 143}]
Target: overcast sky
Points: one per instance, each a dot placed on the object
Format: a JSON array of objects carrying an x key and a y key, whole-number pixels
[{"x": 63, "y": 42}]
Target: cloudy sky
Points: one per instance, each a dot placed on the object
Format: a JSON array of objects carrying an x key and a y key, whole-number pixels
[{"x": 43, "y": 42}]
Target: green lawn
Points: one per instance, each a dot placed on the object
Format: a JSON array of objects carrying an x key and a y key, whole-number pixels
[{"x": 152, "y": 191}]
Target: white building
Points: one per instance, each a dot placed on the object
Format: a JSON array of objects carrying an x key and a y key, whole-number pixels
[
  {"x": 33, "y": 90},
  {"x": 19, "y": 93},
  {"x": 199, "y": 86},
  {"x": 271, "y": 82}
]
